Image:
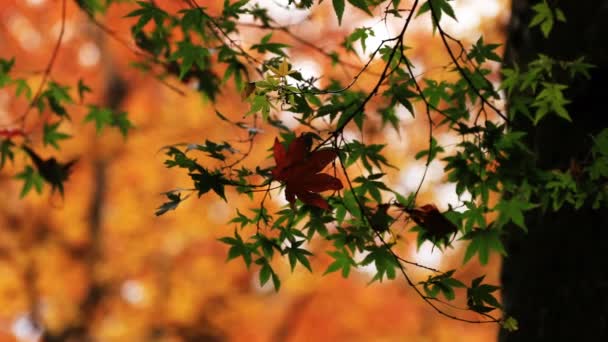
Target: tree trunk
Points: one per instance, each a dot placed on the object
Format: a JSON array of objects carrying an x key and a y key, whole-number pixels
[{"x": 555, "y": 278}]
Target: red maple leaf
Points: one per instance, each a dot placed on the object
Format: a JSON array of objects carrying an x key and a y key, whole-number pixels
[
  {"x": 436, "y": 226},
  {"x": 298, "y": 169},
  {"x": 8, "y": 133}
]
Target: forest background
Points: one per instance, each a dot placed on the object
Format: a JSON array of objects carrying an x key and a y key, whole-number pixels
[{"x": 98, "y": 260}]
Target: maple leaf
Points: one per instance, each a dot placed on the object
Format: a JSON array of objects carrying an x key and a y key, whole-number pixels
[
  {"x": 283, "y": 69},
  {"x": 9, "y": 133},
  {"x": 435, "y": 226},
  {"x": 54, "y": 172},
  {"x": 299, "y": 169}
]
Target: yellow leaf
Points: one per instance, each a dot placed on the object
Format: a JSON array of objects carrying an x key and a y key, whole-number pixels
[
  {"x": 510, "y": 324},
  {"x": 283, "y": 69}
]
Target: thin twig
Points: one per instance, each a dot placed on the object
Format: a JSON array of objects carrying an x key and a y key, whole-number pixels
[
  {"x": 111, "y": 33},
  {"x": 215, "y": 27},
  {"x": 47, "y": 71},
  {"x": 308, "y": 43},
  {"x": 444, "y": 36}
]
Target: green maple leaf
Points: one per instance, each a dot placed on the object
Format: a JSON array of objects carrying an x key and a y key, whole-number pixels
[
  {"x": 101, "y": 116},
  {"x": 190, "y": 55},
  {"x": 513, "y": 210},
  {"x": 482, "y": 242},
  {"x": 51, "y": 135},
  {"x": 31, "y": 179}
]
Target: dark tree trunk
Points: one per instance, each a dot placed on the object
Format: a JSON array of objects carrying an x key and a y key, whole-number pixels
[{"x": 555, "y": 278}]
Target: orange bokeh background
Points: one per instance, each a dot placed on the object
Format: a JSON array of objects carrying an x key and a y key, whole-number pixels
[{"x": 166, "y": 278}]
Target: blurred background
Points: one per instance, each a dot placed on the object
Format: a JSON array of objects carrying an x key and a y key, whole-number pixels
[{"x": 99, "y": 263}]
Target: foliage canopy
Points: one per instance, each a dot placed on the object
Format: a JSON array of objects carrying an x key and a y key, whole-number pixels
[{"x": 358, "y": 211}]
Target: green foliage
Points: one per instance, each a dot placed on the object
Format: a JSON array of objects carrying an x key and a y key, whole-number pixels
[
  {"x": 147, "y": 12},
  {"x": 384, "y": 261},
  {"x": 298, "y": 255},
  {"x": 266, "y": 46},
  {"x": 551, "y": 99},
  {"x": 512, "y": 210},
  {"x": 436, "y": 8},
  {"x": 443, "y": 283},
  {"x": 57, "y": 96},
  {"x": 368, "y": 155},
  {"x": 482, "y": 242},
  {"x": 363, "y": 5},
  {"x": 432, "y": 152},
  {"x": 360, "y": 34},
  {"x": 82, "y": 89},
  {"x": 93, "y": 7},
  {"x": 238, "y": 248},
  {"x": 52, "y": 136},
  {"x": 343, "y": 262},
  {"x": 6, "y": 152},
  {"x": 545, "y": 17},
  {"x": 174, "y": 199},
  {"x": 480, "y": 298},
  {"x": 103, "y": 117},
  {"x": 31, "y": 179},
  {"x": 481, "y": 52},
  {"x": 339, "y": 8},
  {"x": 491, "y": 154},
  {"x": 189, "y": 54},
  {"x": 598, "y": 169},
  {"x": 561, "y": 189},
  {"x": 266, "y": 273},
  {"x": 5, "y": 68}
]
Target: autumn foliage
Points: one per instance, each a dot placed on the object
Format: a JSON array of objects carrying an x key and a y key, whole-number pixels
[
  {"x": 100, "y": 264},
  {"x": 299, "y": 169}
]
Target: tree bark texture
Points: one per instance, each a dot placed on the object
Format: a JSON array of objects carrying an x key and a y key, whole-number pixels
[{"x": 555, "y": 277}]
